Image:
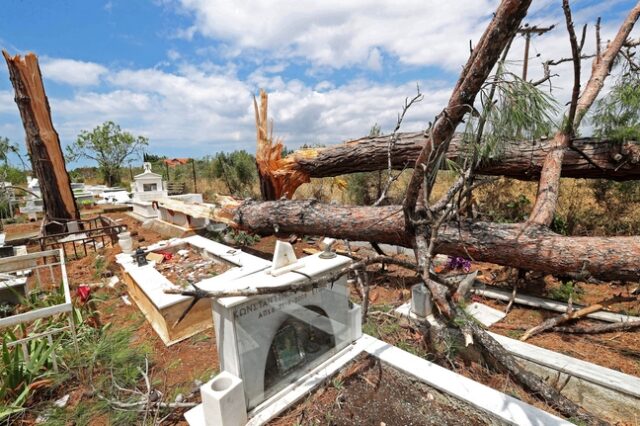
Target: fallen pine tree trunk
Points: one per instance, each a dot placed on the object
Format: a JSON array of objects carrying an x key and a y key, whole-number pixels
[
  {"x": 534, "y": 248},
  {"x": 587, "y": 158}
]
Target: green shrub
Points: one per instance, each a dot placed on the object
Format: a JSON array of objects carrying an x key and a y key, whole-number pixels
[
  {"x": 237, "y": 170},
  {"x": 18, "y": 373},
  {"x": 566, "y": 291}
]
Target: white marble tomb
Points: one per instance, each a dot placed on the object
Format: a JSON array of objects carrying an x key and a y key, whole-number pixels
[{"x": 271, "y": 341}]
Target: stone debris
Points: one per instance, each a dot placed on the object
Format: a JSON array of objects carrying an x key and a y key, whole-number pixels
[{"x": 189, "y": 266}]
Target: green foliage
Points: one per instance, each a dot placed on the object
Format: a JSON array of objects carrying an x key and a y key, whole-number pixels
[
  {"x": 13, "y": 174},
  {"x": 566, "y": 290},
  {"x": 106, "y": 355},
  {"x": 17, "y": 373},
  {"x": 617, "y": 115},
  {"x": 337, "y": 383},
  {"x": 238, "y": 171},
  {"x": 85, "y": 174},
  {"x": 361, "y": 187},
  {"x": 560, "y": 225},
  {"x": 99, "y": 265},
  {"x": 619, "y": 200},
  {"x": 241, "y": 238},
  {"x": 6, "y": 309},
  {"x": 365, "y": 188},
  {"x": 508, "y": 210},
  {"x": 518, "y": 110},
  {"x": 109, "y": 146},
  {"x": 7, "y": 147}
]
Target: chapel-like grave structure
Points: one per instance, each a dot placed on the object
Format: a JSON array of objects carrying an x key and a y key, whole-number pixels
[
  {"x": 147, "y": 187},
  {"x": 269, "y": 342}
]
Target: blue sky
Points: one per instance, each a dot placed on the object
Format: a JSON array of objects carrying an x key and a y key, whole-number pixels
[{"x": 182, "y": 72}]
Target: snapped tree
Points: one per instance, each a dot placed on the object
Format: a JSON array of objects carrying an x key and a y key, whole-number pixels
[
  {"x": 109, "y": 146},
  {"x": 43, "y": 143},
  {"x": 431, "y": 226}
]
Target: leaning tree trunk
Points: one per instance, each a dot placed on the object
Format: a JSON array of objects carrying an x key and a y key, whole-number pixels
[
  {"x": 544, "y": 207},
  {"x": 43, "y": 143}
]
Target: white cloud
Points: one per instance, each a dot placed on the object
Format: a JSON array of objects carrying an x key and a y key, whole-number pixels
[
  {"x": 72, "y": 72},
  {"x": 173, "y": 54},
  {"x": 339, "y": 33},
  {"x": 208, "y": 110},
  {"x": 206, "y": 107},
  {"x": 374, "y": 62},
  {"x": 6, "y": 102}
]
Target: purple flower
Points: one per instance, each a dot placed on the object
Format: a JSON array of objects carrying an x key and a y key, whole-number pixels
[{"x": 457, "y": 262}]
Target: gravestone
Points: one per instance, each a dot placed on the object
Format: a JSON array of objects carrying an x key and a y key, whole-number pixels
[
  {"x": 147, "y": 186},
  {"x": 273, "y": 340}
]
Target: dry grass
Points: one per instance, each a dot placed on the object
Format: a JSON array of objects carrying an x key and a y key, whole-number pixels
[{"x": 506, "y": 200}]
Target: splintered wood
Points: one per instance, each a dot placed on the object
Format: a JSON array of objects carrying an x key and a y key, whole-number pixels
[
  {"x": 42, "y": 139},
  {"x": 277, "y": 176}
]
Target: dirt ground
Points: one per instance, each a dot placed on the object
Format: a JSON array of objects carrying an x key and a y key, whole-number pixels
[
  {"x": 617, "y": 350},
  {"x": 181, "y": 367},
  {"x": 368, "y": 392}
]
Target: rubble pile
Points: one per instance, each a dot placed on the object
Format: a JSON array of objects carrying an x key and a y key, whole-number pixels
[{"x": 187, "y": 265}]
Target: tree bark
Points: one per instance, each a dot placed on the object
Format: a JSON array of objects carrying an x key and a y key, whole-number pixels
[
  {"x": 534, "y": 248},
  {"x": 547, "y": 393},
  {"x": 43, "y": 143},
  {"x": 518, "y": 159},
  {"x": 548, "y": 188},
  {"x": 594, "y": 329},
  {"x": 571, "y": 315},
  {"x": 602, "y": 64},
  {"x": 484, "y": 56}
]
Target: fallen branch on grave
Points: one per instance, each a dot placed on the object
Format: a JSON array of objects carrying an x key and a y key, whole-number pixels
[
  {"x": 417, "y": 225},
  {"x": 571, "y": 315},
  {"x": 595, "y": 329},
  {"x": 439, "y": 289},
  {"x": 306, "y": 285}
]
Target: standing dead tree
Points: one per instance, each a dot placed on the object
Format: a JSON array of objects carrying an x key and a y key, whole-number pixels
[{"x": 43, "y": 143}]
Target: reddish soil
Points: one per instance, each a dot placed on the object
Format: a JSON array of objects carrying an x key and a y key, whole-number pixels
[
  {"x": 367, "y": 392},
  {"x": 173, "y": 369},
  {"x": 618, "y": 350},
  {"x": 176, "y": 367}
]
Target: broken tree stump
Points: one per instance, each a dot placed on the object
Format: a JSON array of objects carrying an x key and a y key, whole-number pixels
[{"x": 43, "y": 143}]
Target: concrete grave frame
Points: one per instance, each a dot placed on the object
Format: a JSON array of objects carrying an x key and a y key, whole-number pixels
[
  {"x": 175, "y": 223},
  {"x": 602, "y": 389},
  {"x": 146, "y": 287},
  {"x": 501, "y": 406},
  {"x": 243, "y": 348}
]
